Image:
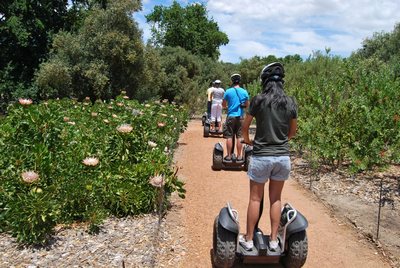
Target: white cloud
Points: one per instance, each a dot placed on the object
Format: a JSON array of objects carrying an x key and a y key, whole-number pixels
[{"x": 264, "y": 27}]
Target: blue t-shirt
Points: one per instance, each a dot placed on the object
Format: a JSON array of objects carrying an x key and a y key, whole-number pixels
[{"x": 233, "y": 102}]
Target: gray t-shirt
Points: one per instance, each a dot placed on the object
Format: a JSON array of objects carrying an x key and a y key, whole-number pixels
[{"x": 271, "y": 137}]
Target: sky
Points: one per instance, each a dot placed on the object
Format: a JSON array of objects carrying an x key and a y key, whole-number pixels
[{"x": 288, "y": 27}]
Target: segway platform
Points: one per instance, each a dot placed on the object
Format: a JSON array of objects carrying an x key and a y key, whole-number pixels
[
  {"x": 219, "y": 162},
  {"x": 292, "y": 238},
  {"x": 207, "y": 132}
]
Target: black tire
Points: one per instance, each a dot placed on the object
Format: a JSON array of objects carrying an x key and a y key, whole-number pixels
[
  {"x": 247, "y": 161},
  {"x": 203, "y": 120},
  {"x": 224, "y": 246},
  {"x": 217, "y": 160},
  {"x": 206, "y": 130},
  {"x": 296, "y": 254}
]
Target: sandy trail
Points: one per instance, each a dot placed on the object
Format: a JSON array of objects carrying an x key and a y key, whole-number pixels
[{"x": 331, "y": 242}]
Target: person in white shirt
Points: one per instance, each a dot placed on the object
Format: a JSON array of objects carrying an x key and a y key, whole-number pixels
[
  {"x": 209, "y": 90},
  {"x": 217, "y": 96}
]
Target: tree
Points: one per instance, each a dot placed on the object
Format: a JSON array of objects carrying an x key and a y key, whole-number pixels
[
  {"x": 105, "y": 56},
  {"x": 187, "y": 27}
]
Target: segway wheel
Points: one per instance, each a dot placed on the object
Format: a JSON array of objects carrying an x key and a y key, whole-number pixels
[
  {"x": 203, "y": 120},
  {"x": 206, "y": 130},
  {"x": 247, "y": 161},
  {"x": 217, "y": 160},
  {"x": 224, "y": 246},
  {"x": 297, "y": 250}
]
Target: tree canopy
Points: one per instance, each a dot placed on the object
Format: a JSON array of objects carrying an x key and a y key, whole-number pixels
[{"x": 187, "y": 27}]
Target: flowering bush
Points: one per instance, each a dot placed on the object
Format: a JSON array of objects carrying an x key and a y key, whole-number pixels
[{"x": 65, "y": 161}]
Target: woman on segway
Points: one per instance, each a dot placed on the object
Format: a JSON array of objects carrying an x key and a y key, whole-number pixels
[
  {"x": 276, "y": 122},
  {"x": 217, "y": 95}
]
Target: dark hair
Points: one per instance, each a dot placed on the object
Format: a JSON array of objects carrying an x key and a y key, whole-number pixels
[{"x": 274, "y": 96}]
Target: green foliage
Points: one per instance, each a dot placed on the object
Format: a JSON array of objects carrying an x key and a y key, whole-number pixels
[
  {"x": 187, "y": 27},
  {"x": 103, "y": 57},
  {"x": 53, "y": 138},
  {"x": 348, "y": 111}
]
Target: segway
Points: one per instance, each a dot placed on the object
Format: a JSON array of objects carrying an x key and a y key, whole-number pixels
[
  {"x": 292, "y": 238},
  {"x": 207, "y": 131},
  {"x": 220, "y": 163},
  {"x": 204, "y": 118}
]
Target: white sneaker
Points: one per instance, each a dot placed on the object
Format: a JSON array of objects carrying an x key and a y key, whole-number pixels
[
  {"x": 274, "y": 245},
  {"x": 247, "y": 245}
]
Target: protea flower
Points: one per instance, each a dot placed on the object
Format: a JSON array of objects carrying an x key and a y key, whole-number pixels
[
  {"x": 114, "y": 116},
  {"x": 165, "y": 101},
  {"x": 126, "y": 97},
  {"x": 125, "y": 128},
  {"x": 25, "y": 102},
  {"x": 72, "y": 123},
  {"x": 120, "y": 104},
  {"x": 66, "y": 119},
  {"x": 94, "y": 114},
  {"x": 152, "y": 144},
  {"x": 110, "y": 107},
  {"x": 161, "y": 124},
  {"x": 106, "y": 121},
  {"x": 164, "y": 115},
  {"x": 157, "y": 181},
  {"x": 90, "y": 161},
  {"x": 30, "y": 176},
  {"x": 87, "y": 98},
  {"x": 123, "y": 92},
  {"x": 147, "y": 105}
]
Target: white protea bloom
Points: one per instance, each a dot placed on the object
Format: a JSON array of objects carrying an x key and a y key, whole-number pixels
[
  {"x": 164, "y": 115},
  {"x": 126, "y": 97},
  {"x": 94, "y": 114},
  {"x": 123, "y": 92},
  {"x": 106, "y": 121},
  {"x": 152, "y": 144},
  {"x": 72, "y": 123},
  {"x": 25, "y": 102},
  {"x": 90, "y": 161},
  {"x": 161, "y": 124},
  {"x": 157, "y": 181},
  {"x": 29, "y": 176},
  {"x": 147, "y": 105},
  {"x": 125, "y": 128},
  {"x": 114, "y": 116},
  {"x": 157, "y": 102}
]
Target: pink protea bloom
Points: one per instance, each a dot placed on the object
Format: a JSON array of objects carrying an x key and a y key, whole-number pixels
[
  {"x": 66, "y": 119},
  {"x": 161, "y": 124},
  {"x": 30, "y": 176},
  {"x": 152, "y": 144},
  {"x": 25, "y": 102},
  {"x": 125, "y": 128},
  {"x": 87, "y": 99},
  {"x": 157, "y": 181},
  {"x": 94, "y": 114},
  {"x": 90, "y": 161},
  {"x": 120, "y": 104}
]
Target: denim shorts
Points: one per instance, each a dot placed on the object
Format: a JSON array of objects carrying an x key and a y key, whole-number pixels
[{"x": 262, "y": 168}]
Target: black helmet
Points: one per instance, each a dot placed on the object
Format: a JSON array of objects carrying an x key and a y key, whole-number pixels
[
  {"x": 235, "y": 78},
  {"x": 272, "y": 72}
]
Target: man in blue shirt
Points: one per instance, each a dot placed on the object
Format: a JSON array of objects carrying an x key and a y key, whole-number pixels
[{"x": 236, "y": 99}]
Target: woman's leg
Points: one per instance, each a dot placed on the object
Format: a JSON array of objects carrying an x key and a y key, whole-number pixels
[
  {"x": 275, "y": 191},
  {"x": 253, "y": 210}
]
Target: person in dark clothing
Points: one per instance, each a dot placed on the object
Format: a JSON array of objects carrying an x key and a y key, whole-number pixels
[{"x": 276, "y": 122}]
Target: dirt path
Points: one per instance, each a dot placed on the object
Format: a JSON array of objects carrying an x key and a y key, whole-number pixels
[{"x": 331, "y": 242}]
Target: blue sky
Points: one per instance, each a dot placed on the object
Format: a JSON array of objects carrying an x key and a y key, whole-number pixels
[{"x": 287, "y": 27}]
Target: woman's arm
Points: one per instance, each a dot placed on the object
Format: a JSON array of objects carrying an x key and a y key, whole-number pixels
[
  {"x": 245, "y": 128},
  {"x": 292, "y": 128}
]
